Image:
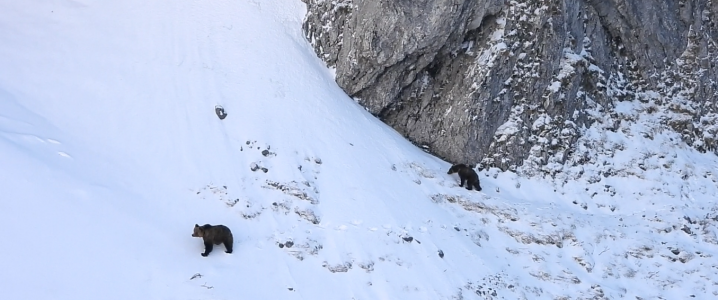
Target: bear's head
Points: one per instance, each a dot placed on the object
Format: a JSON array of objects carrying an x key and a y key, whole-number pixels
[
  {"x": 455, "y": 168},
  {"x": 198, "y": 232}
]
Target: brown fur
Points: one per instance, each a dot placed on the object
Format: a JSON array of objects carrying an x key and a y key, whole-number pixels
[
  {"x": 214, "y": 235},
  {"x": 466, "y": 174}
]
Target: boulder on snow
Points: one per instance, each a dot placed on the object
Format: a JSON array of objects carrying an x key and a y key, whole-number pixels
[{"x": 219, "y": 110}]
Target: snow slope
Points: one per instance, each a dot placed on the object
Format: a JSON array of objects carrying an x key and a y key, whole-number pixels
[{"x": 111, "y": 152}]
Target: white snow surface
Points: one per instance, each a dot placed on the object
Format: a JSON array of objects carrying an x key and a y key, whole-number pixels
[{"x": 111, "y": 152}]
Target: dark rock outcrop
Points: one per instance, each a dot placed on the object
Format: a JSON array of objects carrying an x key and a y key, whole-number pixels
[
  {"x": 511, "y": 83},
  {"x": 219, "y": 110}
]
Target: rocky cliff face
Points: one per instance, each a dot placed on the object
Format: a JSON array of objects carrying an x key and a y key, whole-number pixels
[{"x": 515, "y": 84}]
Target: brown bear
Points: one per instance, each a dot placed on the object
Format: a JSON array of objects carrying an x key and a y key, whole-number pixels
[
  {"x": 216, "y": 235},
  {"x": 467, "y": 175}
]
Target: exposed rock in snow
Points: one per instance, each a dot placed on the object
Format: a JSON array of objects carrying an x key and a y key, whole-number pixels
[{"x": 469, "y": 79}]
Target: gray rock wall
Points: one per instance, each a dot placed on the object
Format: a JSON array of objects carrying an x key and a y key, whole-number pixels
[{"x": 513, "y": 83}]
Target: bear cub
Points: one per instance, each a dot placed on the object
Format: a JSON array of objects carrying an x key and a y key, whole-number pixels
[
  {"x": 467, "y": 175},
  {"x": 214, "y": 235}
]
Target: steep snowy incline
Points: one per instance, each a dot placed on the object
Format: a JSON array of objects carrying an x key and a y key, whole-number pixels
[
  {"x": 111, "y": 151},
  {"x": 128, "y": 91}
]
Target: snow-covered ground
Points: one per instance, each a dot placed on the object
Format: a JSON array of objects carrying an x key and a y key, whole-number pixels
[{"x": 110, "y": 152}]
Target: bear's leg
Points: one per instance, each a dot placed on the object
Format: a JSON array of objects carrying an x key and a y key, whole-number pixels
[
  {"x": 228, "y": 244},
  {"x": 207, "y": 248},
  {"x": 462, "y": 181},
  {"x": 478, "y": 186}
]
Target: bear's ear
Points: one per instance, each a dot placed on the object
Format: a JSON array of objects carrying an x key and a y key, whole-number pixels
[{"x": 195, "y": 225}]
